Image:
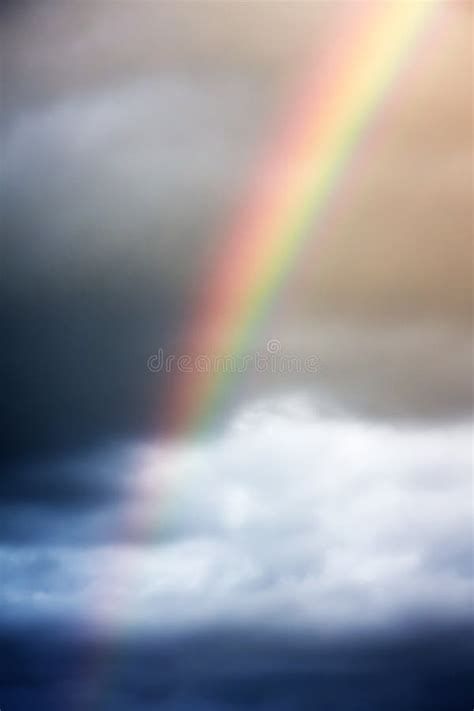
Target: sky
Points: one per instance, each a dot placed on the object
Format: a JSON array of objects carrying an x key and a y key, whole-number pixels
[{"x": 314, "y": 551}]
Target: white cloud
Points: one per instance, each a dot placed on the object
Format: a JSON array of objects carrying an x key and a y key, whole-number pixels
[{"x": 287, "y": 519}]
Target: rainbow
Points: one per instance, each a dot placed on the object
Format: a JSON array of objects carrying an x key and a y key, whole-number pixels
[
  {"x": 294, "y": 188},
  {"x": 293, "y": 192}
]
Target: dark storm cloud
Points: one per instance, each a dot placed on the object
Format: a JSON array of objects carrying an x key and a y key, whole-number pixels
[
  {"x": 107, "y": 213},
  {"x": 423, "y": 670},
  {"x": 68, "y": 483},
  {"x": 75, "y": 360},
  {"x": 69, "y": 499}
]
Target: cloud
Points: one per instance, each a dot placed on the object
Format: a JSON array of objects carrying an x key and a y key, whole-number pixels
[
  {"x": 287, "y": 518},
  {"x": 234, "y": 670},
  {"x": 157, "y": 143}
]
